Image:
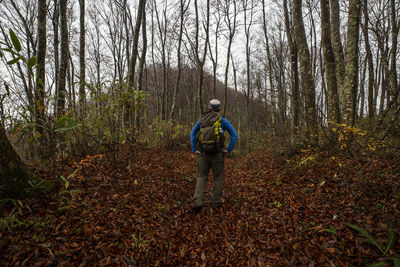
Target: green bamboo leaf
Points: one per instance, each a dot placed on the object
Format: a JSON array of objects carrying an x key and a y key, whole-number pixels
[
  {"x": 396, "y": 262},
  {"x": 13, "y": 61},
  {"x": 31, "y": 62},
  {"x": 8, "y": 50},
  {"x": 365, "y": 233},
  {"x": 378, "y": 264},
  {"x": 67, "y": 128},
  {"x": 331, "y": 230},
  {"x": 15, "y": 41},
  {"x": 391, "y": 239},
  {"x": 66, "y": 182},
  {"x": 60, "y": 122},
  {"x": 72, "y": 174}
]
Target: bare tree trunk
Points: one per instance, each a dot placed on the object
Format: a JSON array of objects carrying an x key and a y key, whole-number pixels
[
  {"x": 270, "y": 70},
  {"x": 82, "y": 63},
  {"x": 56, "y": 28},
  {"x": 232, "y": 30},
  {"x": 371, "y": 106},
  {"x": 337, "y": 47},
  {"x": 362, "y": 89},
  {"x": 214, "y": 59},
  {"x": 61, "y": 93},
  {"x": 132, "y": 63},
  {"x": 295, "y": 98},
  {"x": 238, "y": 101},
  {"x": 141, "y": 66},
  {"x": 40, "y": 93},
  {"x": 247, "y": 25},
  {"x": 183, "y": 9},
  {"x": 162, "y": 28},
  {"x": 393, "y": 56},
  {"x": 305, "y": 71},
  {"x": 143, "y": 55},
  {"x": 330, "y": 64},
  {"x": 351, "y": 78},
  {"x": 201, "y": 60}
]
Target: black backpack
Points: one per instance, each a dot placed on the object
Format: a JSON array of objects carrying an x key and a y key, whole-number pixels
[{"x": 210, "y": 137}]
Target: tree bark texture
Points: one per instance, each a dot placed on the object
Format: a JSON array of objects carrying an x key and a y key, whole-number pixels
[
  {"x": 129, "y": 112},
  {"x": 56, "y": 40},
  {"x": 393, "y": 56},
  {"x": 183, "y": 9},
  {"x": 142, "y": 63},
  {"x": 337, "y": 46},
  {"x": 371, "y": 105},
  {"x": 82, "y": 53},
  {"x": 40, "y": 92},
  {"x": 330, "y": 65},
  {"x": 351, "y": 78},
  {"x": 142, "y": 60},
  {"x": 305, "y": 71},
  {"x": 61, "y": 93},
  {"x": 134, "y": 54},
  {"x": 232, "y": 30},
  {"x": 201, "y": 60},
  {"x": 295, "y": 97}
]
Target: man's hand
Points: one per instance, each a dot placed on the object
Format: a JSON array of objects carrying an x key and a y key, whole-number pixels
[
  {"x": 225, "y": 151},
  {"x": 197, "y": 152}
]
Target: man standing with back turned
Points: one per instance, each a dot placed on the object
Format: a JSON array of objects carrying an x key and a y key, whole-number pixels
[{"x": 207, "y": 139}]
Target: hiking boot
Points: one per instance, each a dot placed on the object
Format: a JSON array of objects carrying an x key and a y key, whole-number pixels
[
  {"x": 197, "y": 209},
  {"x": 216, "y": 205}
]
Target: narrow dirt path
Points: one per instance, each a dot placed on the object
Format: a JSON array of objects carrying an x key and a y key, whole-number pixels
[{"x": 133, "y": 207}]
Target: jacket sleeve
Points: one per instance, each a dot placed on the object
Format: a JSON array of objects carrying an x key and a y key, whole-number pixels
[
  {"x": 193, "y": 135},
  {"x": 226, "y": 125}
]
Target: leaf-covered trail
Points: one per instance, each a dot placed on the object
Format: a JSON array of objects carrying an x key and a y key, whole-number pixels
[{"x": 133, "y": 207}]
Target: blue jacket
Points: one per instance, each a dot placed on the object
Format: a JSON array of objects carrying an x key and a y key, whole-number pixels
[{"x": 225, "y": 125}]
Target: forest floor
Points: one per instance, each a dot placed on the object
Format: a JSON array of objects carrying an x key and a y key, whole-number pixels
[{"x": 132, "y": 207}]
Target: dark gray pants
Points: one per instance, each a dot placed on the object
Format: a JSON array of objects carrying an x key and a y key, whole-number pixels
[{"x": 205, "y": 162}]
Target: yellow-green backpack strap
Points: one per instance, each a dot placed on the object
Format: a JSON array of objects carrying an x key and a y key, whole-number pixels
[{"x": 217, "y": 125}]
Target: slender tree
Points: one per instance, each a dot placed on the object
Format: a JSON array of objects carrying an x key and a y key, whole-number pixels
[
  {"x": 162, "y": 25},
  {"x": 337, "y": 46},
  {"x": 183, "y": 8},
  {"x": 132, "y": 62},
  {"x": 231, "y": 24},
  {"x": 270, "y": 69},
  {"x": 351, "y": 78},
  {"x": 248, "y": 7},
  {"x": 371, "y": 80},
  {"x": 82, "y": 53},
  {"x": 142, "y": 60},
  {"x": 295, "y": 98},
  {"x": 61, "y": 93},
  {"x": 305, "y": 71},
  {"x": 200, "y": 59},
  {"x": 393, "y": 54},
  {"x": 330, "y": 64},
  {"x": 214, "y": 57},
  {"x": 142, "y": 63},
  {"x": 40, "y": 92}
]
